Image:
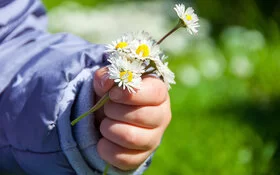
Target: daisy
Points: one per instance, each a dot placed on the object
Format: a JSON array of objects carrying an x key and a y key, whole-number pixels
[
  {"x": 144, "y": 49},
  {"x": 164, "y": 72},
  {"x": 188, "y": 17},
  {"x": 125, "y": 73},
  {"x": 121, "y": 44}
]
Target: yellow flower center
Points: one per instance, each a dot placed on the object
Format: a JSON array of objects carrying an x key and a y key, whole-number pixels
[
  {"x": 121, "y": 45},
  {"x": 143, "y": 49},
  {"x": 126, "y": 74},
  {"x": 189, "y": 17}
]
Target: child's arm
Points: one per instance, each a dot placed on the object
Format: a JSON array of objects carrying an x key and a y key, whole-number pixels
[{"x": 47, "y": 83}]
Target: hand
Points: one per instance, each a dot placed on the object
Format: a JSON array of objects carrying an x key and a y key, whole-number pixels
[{"x": 131, "y": 124}]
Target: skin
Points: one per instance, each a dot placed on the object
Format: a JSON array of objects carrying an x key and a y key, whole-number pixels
[{"x": 132, "y": 125}]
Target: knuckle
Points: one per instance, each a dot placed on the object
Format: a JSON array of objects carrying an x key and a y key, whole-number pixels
[
  {"x": 168, "y": 112},
  {"x": 100, "y": 147},
  {"x": 160, "y": 93},
  {"x": 127, "y": 96},
  {"x": 149, "y": 117},
  {"x": 133, "y": 139},
  {"x": 148, "y": 145},
  {"x": 126, "y": 162},
  {"x": 169, "y": 117},
  {"x": 104, "y": 127},
  {"x": 107, "y": 109},
  {"x": 150, "y": 142},
  {"x": 137, "y": 116},
  {"x": 157, "y": 143},
  {"x": 122, "y": 161},
  {"x": 130, "y": 137}
]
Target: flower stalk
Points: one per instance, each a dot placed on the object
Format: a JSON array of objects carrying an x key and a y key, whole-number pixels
[
  {"x": 98, "y": 105},
  {"x": 179, "y": 25},
  {"x": 106, "y": 169}
]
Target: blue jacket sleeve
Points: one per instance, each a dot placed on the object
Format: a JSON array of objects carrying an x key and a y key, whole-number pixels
[{"x": 45, "y": 83}]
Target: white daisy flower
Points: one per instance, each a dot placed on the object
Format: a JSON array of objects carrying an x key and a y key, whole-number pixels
[
  {"x": 145, "y": 49},
  {"x": 165, "y": 73},
  {"x": 188, "y": 17},
  {"x": 121, "y": 44},
  {"x": 126, "y": 73}
]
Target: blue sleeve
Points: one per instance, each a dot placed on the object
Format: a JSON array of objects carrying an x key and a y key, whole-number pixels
[{"x": 46, "y": 82}]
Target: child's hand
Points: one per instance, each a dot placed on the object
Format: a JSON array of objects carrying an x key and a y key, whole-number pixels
[{"x": 131, "y": 124}]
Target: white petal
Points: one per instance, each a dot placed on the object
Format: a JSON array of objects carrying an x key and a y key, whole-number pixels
[{"x": 189, "y": 11}]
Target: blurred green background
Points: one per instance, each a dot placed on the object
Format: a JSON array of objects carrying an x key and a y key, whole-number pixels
[{"x": 226, "y": 103}]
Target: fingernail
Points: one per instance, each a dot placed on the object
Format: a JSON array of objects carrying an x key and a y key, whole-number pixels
[
  {"x": 115, "y": 94},
  {"x": 104, "y": 78}
]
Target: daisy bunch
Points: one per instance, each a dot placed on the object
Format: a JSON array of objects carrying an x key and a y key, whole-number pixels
[
  {"x": 136, "y": 54},
  {"x": 142, "y": 56}
]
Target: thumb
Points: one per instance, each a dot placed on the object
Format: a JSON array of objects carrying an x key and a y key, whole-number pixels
[
  {"x": 101, "y": 85},
  {"x": 101, "y": 82}
]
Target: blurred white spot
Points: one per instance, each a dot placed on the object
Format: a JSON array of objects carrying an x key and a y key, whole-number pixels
[
  {"x": 242, "y": 39},
  {"x": 241, "y": 66},
  {"x": 211, "y": 68},
  {"x": 244, "y": 156},
  {"x": 232, "y": 36},
  {"x": 189, "y": 76},
  {"x": 205, "y": 47},
  {"x": 255, "y": 40}
]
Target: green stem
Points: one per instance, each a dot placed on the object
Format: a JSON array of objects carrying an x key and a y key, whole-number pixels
[
  {"x": 98, "y": 105},
  {"x": 106, "y": 169},
  {"x": 180, "y": 24}
]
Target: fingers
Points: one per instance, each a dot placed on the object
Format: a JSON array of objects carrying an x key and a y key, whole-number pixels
[
  {"x": 101, "y": 82},
  {"x": 142, "y": 116},
  {"x": 152, "y": 92},
  {"x": 129, "y": 136},
  {"x": 120, "y": 157}
]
